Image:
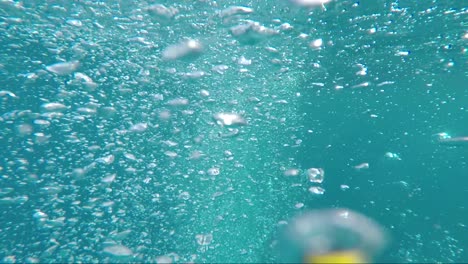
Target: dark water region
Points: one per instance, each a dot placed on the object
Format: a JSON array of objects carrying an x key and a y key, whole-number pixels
[{"x": 188, "y": 131}]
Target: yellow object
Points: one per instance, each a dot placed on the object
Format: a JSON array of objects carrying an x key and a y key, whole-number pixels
[{"x": 337, "y": 257}]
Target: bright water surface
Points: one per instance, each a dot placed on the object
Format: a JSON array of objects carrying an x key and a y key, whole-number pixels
[{"x": 120, "y": 140}]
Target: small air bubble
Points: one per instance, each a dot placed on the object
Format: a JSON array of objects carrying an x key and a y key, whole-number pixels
[
  {"x": 291, "y": 172},
  {"x": 298, "y": 205},
  {"x": 317, "y": 190},
  {"x": 344, "y": 187},
  {"x": 315, "y": 175},
  {"x": 214, "y": 171},
  {"x": 204, "y": 239},
  {"x": 316, "y": 43}
]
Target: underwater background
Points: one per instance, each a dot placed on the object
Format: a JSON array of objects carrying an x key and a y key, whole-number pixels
[{"x": 186, "y": 131}]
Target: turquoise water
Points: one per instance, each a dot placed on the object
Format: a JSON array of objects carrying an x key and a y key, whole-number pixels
[{"x": 113, "y": 147}]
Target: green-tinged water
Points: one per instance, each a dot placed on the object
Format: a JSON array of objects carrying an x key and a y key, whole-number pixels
[{"x": 120, "y": 141}]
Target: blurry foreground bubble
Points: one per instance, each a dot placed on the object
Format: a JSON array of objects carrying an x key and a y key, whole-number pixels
[
  {"x": 299, "y": 205},
  {"x": 18, "y": 200},
  {"x": 107, "y": 111},
  {"x": 63, "y": 68},
  {"x": 214, "y": 171},
  {"x": 186, "y": 49},
  {"x": 220, "y": 69},
  {"x": 171, "y": 154},
  {"x": 184, "y": 196},
  {"x": 41, "y": 138},
  {"x": 316, "y": 190},
  {"x": 138, "y": 128},
  {"x": 162, "y": 12},
  {"x": 251, "y": 32},
  {"x": 229, "y": 119},
  {"x": 165, "y": 115},
  {"x": 109, "y": 178},
  {"x": 243, "y": 61},
  {"x": 235, "y": 10},
  {"x": 344, "y": 187},
  {"x": 118, "y": 251},
  {"x": 330, "y": 236},
  {"x": 286, "y": 26},
  {"x": 194, "y": 74},
  {"x": 74, "y": 22},
  {"x": 4, "y": 93},
  {"x": 316, "y": 44},
  {"x": 309, "y": 3},
  {"x": 53, "y": 107},
  {"x": 120, "y": 235},
  {"x": 109, "y": 159},
  {"x": 178, "y": 102},
  {"x": 164, "y": 259},
  {"x": 291, "y": 172},
  {"x": 5, "y": 190},
  {"x": 9, "y": 259},
  {"x": 85, "y": 80},
  {"x": 24, "y": 129}
]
